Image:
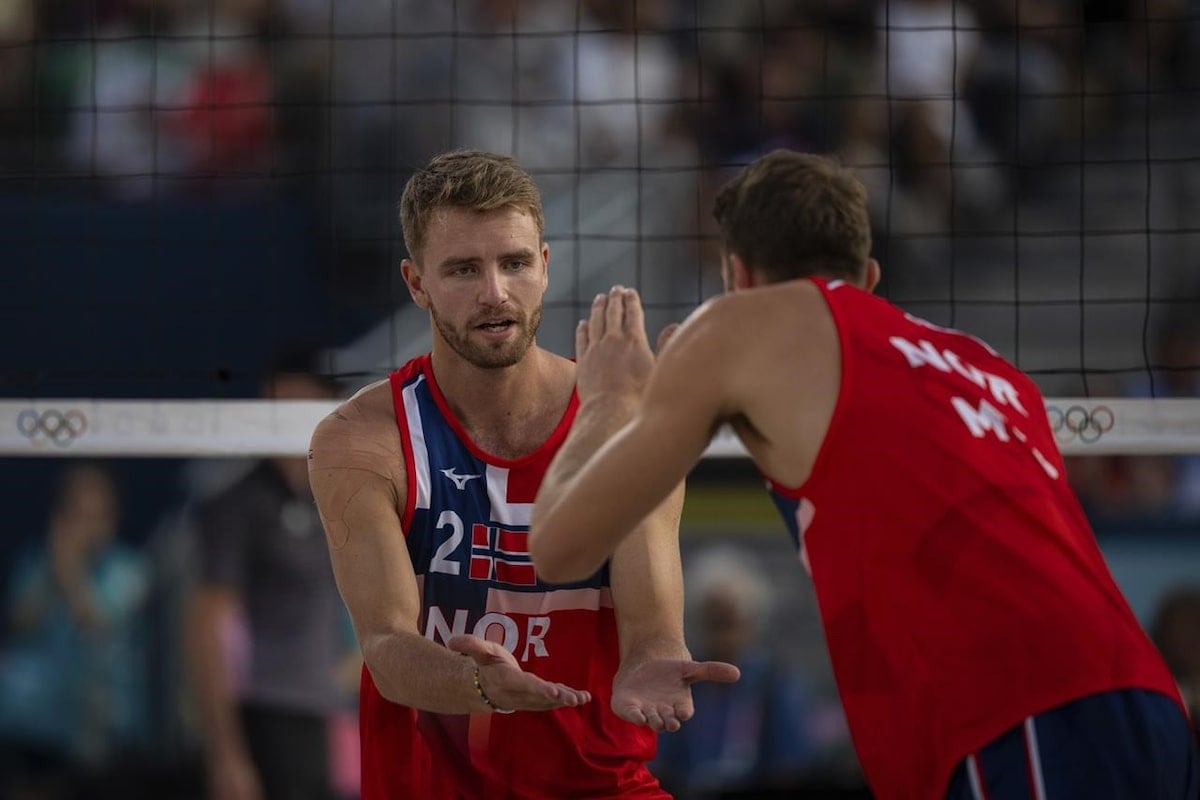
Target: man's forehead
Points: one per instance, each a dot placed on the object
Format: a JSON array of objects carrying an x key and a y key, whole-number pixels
[
  {"x": 455, "y": 215},
  {"x": 466, "y": 229}
]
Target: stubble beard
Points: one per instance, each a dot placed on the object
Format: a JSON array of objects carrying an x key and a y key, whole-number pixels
[{"x": 496, "y": 355}]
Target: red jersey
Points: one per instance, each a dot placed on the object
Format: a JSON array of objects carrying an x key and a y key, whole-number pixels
[
  {"x": 959, "y": 583},
  {"x": 466, "y": 522}
]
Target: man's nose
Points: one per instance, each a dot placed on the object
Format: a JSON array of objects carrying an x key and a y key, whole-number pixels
[{"x": 493, "y": 290}]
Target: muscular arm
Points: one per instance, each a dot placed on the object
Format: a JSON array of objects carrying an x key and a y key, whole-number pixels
[
  {"x": 601, "y": 487},
  {"x": 653, "y": 685},
  {"x": 647, "y": 587},
  {"x": 359, "y": 494}
]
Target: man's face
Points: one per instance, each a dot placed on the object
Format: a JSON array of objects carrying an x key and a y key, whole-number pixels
[{"x": 482, "y": 275}]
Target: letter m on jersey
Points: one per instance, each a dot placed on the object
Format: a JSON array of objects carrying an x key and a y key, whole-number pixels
[{"x": 501, "y": 555}]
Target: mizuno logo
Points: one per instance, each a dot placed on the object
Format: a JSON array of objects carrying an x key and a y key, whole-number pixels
[{"x": 460, "y": 481}]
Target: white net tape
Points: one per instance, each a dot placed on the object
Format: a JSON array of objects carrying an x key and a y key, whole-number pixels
[{"x": 251, "y": 428}]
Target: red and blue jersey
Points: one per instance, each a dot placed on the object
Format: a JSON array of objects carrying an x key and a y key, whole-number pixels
[
  {"x": 466, "y": 521},
  {"x": 960, "y": 586}
]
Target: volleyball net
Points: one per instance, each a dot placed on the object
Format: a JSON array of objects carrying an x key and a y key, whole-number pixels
[{"x": 188, "y": 187}]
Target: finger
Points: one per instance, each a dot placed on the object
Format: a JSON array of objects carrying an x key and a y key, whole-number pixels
[
  {"x": 554, "y": 696},
  {"x": 669, "y": 721},
  {"x": 717, "y": 671},
  {"x": 483, "y": 651},
  {"x": 631, "y": 713},
  {"x": 615, "y": 310},
  {"x": 665, "y": 336},
  {"x": 596, "y": 320},
  {"x": 684, "y": 712},
  {"x": 572, "y": 697},
  {"x": 653, "y": 719},
  {"x": 635, "y": 317},
  {"x": 581, "y": 339}
]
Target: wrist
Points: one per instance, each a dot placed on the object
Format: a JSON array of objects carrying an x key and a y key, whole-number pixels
[
  {"x": 616, "y": 405},
  {"x": 654, "y": 649},
  {"x": 487, "y": 701}
]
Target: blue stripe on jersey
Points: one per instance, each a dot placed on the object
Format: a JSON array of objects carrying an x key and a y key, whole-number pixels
[
  {"x": 787, "y": 508},
  {"x": 468, "y": 539}
]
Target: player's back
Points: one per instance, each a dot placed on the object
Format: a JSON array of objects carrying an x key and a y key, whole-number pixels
[{"x": 959, "y": 583}]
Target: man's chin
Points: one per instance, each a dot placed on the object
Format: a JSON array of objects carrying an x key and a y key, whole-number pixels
[{"x": 506, "y": 355}]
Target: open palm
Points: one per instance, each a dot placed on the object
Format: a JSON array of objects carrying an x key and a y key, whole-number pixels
[{"x": 658, "y": 692}]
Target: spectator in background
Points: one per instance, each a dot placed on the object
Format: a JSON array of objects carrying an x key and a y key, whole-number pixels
[
  {"x": 745, "y": 736},
  {"x": 926, "y": 60},
  {"x": 18, "y": 29},
  {"x": 266, "y": 627},
  {"x": 1179, "y": 376},
  {"x": 1152, "y": 485},
  {"x": 73, "y": 702},
  {"x": 1175, "y": 629},
  {"x": 169, "y": 90}
]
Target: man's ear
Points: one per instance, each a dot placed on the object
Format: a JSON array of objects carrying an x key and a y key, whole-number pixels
[
  {"x": 871, "y": 275},
  {"x": 741, "y": 276},
  {"x": 414, "y": 280}
]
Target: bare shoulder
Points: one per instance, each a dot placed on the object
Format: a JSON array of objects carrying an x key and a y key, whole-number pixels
[
  {"x": 356, "y": 465},
  {"x": 360, "y": 433},
  {"x": 739, "y": 324}
]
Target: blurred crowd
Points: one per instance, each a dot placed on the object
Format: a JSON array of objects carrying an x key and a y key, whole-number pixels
[
  {"x": 152, "y": 663},
  {"x": 954, "y": 111}
]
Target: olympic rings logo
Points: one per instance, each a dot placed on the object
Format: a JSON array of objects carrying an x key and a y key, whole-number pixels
[
  {"x": 1076, "y": 421},
  {"x": 60, "y": 427}
]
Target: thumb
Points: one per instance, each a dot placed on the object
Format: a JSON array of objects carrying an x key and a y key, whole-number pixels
[
  {"x": 665, "y": 336},
  {"x": 717, "y": 671},
  {"x": 481, "y": 650}
]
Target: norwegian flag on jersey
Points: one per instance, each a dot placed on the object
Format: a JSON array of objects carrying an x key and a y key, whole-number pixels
[{"x": 501, "y": 555}]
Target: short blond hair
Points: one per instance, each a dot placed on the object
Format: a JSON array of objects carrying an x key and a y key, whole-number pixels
[{"x": 470, "y": 179}]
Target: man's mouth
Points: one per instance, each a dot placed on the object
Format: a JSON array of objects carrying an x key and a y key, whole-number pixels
[{"x": 496, "y": 325}]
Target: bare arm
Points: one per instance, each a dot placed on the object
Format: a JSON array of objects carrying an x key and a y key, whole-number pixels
[
  {"x": 653, "y": 684},
  {"x": 601, "y": 484},
  {"x": 360, "y": 497},
  {"x": 214, "y": 617},
  {"x": 647, "y": 587},
  {"x": 213, "y": 611}
]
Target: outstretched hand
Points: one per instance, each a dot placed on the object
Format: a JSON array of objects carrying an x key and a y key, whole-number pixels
[
  {"x": 611, "y": 346},
  {"x": 658, "y": 693},
  {"x": 508, "y": 686}
]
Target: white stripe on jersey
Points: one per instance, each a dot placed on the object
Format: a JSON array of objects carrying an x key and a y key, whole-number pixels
[
  {"x": 504, "y": 512},
  {"x": 974, "y": 778},
  {"x": 1035, "y": 760},
  {"x": 505, "y": 601},
  {"x": 416, "y": 436}
]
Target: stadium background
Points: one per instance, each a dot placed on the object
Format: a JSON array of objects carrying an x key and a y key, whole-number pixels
[{"x": 186, "y": 187}]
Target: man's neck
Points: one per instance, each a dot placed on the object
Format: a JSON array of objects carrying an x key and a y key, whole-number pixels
[{"x": 507, "y": 411}]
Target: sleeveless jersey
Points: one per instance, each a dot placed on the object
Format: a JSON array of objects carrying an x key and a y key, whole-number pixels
[
  {"x": 959, "y": 583},
  {"x": 466, "y": 521}
]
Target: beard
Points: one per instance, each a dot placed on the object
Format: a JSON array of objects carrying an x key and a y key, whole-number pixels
[{"x": 490, "y": 355}]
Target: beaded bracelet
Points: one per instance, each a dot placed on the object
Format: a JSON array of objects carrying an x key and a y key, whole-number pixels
[{"x": 487, "y": 701}]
